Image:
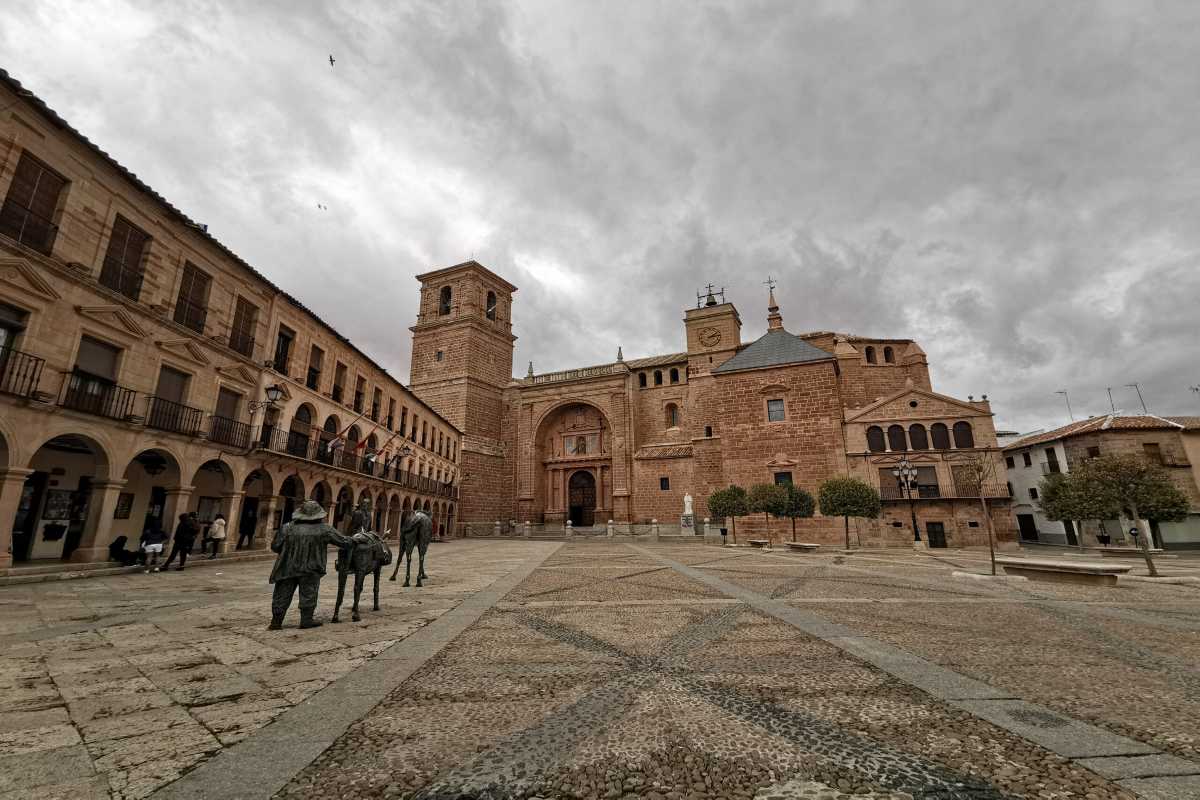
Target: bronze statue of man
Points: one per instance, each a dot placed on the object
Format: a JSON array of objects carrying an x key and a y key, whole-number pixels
[
  {"x": 360, "y": 520},
  {"x": 301, "y": 546}
]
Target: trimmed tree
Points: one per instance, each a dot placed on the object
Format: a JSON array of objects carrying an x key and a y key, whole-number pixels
[
  {"x": 729, "y": 503},
  {"x": 1107, "y": 486},
  {"x": 800, "y": 505},
  {"x": 976, "y": 473},
  {"x": 846, "y": 498},
  {"x": 769, "y": 499}
]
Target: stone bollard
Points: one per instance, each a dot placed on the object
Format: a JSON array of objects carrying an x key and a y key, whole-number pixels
[
  {"x": 568, "y": 528},
  {"x": 496, "y": 529},
  {"x": 706, "y": 522},
  {"x": 611, "y": 528},
  {"x": 528, "y": 532},
  {"x": 654, "y": 528}
]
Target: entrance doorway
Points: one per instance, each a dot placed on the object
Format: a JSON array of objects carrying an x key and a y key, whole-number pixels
[
  {"x": 581, "y": 490},
  {"x": 26, "y": 520},
  {"x": 936, "y": 533},
  {"x": 1028, "y": 526},
  {"x": 1069, "y": 529},
  {"x": 154, "y": 512}
]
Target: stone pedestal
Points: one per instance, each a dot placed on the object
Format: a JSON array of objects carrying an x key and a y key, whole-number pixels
[
  {"x": 496, "y": 529},
  {"x": 611, "y": 528},
  {"x": 687, "y": 525},
  {"x": 528, "y": 530}
]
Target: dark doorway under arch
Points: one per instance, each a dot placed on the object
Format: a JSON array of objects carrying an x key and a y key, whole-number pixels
[{"x": 582, "y": 499}]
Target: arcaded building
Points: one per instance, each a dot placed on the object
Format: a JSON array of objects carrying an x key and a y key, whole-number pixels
[
  {"x": 147, "y": 371},
  {"x": 627, "y": 440}
]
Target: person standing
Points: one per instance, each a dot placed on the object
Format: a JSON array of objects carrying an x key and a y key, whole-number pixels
[
  {"x": 185, "y": 539},
  {"x": 152, "y": 545},
  {"x": 216, "y": 534},
  {"x": 302, "y": 547}
]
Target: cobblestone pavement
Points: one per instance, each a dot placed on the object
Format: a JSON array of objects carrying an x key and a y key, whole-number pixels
[
  {"x": 116, "y": 686},
  {"x": 609, "y": 673}
]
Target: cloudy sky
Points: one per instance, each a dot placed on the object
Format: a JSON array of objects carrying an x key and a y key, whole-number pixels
[{"x": 1013, "y": 184}]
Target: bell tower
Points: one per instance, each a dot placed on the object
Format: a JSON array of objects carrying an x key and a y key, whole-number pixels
[{"x": 462, "y": 356}]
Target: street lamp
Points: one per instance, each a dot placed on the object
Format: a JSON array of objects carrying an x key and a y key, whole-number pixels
[
  {"x": 906, "y": 478},
  {"x": 274, "y": 392}
]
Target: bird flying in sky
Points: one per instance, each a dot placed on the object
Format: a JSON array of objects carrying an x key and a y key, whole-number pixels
[{"x": 331, "y": 59}]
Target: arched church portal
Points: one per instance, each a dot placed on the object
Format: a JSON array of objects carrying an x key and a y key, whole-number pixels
[{"x": 573, "y": 464}]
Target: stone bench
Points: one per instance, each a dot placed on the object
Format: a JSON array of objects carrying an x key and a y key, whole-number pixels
[
  {"x": 1063, "y": 571},
  {"x": 802, "y": 546},
  {"x": 1124, "y": 552},
  {"x": 760, "y": 543}
]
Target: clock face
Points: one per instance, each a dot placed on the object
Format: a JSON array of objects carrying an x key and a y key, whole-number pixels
[{"x": 710, "y": 337}]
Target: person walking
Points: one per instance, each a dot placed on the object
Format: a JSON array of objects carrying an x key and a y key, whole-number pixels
[
  {"x": 216, "y": 534},
  {"x": 302, "y": 547},
  {"x": 151, "y": 545},
  {"x": 185, "y": 539},
  {"x": 246, "y": 528}
]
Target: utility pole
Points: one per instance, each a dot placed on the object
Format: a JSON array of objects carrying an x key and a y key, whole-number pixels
[
  {"x": 1138, "y": 387},
  {"x": 1066, "y": 397},
  {"x": 1111, "y": 404}
]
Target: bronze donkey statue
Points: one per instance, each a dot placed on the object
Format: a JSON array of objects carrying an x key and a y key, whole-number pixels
[{"x": 416, "y": 532}]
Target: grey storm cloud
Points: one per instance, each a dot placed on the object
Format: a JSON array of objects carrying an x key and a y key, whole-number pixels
[{"x": 1014, "y": 184}]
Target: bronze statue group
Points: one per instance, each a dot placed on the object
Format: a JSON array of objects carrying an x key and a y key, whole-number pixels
[{"x": 302, "y": 547}]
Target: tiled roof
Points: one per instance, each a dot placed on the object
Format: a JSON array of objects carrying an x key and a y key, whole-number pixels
[
  {"x": 664, "y": 451},
  {"x": 54, "y": 119},
  {"x": 1109, "y": 422},
  {"x": 775, "y": 348},
  {"x": 656, "y": 361}
]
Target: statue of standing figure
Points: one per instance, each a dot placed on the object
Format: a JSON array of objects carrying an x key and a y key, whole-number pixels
[
  {"x": 687, "y": 505},
  {"x": 301, "y": 546}
]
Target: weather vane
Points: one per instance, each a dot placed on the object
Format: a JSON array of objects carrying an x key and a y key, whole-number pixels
[{"x": 770, "y": 282}]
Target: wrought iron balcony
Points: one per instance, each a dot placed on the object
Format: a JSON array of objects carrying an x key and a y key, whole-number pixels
[
  {"x": 959, "y": 491},
  {"x": 223, "y": 430},
  {"x": 168, "y": 415},
  {"x": 19, "y": 372},
  {"x": 92, "y": 395}
]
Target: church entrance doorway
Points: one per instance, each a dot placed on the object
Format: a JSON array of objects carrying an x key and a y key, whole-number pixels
[{"x": 582, "y": 502}]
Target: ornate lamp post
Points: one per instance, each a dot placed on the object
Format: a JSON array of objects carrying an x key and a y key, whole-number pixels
[
  {"x": 274, "y": 392},
  {"x": 906, "y": 478}
]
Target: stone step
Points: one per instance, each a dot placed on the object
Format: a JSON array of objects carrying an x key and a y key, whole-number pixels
[{"x": 42, "y": 573}]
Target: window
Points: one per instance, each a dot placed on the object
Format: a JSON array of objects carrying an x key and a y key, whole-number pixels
[
  {"x": 775, "y": 410},
  {"x": 438, "y": 356},
  {"x": 444, "y": 301},
  {"x": 917, "y": 437},
  {"x": 1052, "y": 460},
  {"x": 889, "y": 356},
  {"x": 122, "y": 270},
  {"x": 896, "y": 440},
  {"x": 454, "y": 452},
  {"x": 672, "y": 415},
  {"x": 283, "y": 349},
  {"x": 1153, "y": 452},
  {"x": 172, "y": 385},
  {"x": 414, "y": 427},
  {"x": 940, "y": 435},
  {"x": 424, "y": 433},
  {"x": 313, "y": 379},
  {"x": 166, "y": 410},
  {"x": 658, "y": 377},
  {"x": 783, "y": 479},
  {"x": 875, "y": 441},
  {"x": 403, "y": 420},
  {"x": 191, "y": 308},
  {"x": 376, "y": 404},
  {"x": 1033, "y": 493},
  {"x": 339, "y": 382},
  {"x": 241, "y": 333},
  {"x": 1008, "y": 462},
  {"x": 360, "y": 393},
  {"x": 963, "y": 435},
  {"x": 1009, "y": 485},
  {"x": 12, "y": 322},
  {"x": 1027, "y": 459},
  {"x": 490, "y": 306},
  {"x": 97, "y": 359},
  {"x": 28, "y": 212},
  {"x": 674, "y": 375},
  {"x": 870, "y": 352},
  {"x": 229, "y": 403},
  {"x": 391, "y": 417},
  {"x": 664, "y": 484},
  {"x": 1093, "y": 452},
  {"x": 708, "y": 431},
  {"x": 642, "y": 380}
]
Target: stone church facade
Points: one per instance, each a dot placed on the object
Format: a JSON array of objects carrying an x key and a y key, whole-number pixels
[{"x": 627, "y": 440}]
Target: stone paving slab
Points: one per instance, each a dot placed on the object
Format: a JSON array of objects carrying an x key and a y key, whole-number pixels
[
  {"x": 1178, "y": 788},
  {"x": 1056, "y": 732},
  {"x": 1140, "y": 766}
]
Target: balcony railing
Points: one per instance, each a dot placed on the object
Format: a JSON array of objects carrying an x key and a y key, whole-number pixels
[
  {"x": 19, "y": 372},
  {"x": 223, "y": 430},
  {"x": 168, "y": 415},
  {"x": 935, "y": 492},
  {"x": 92, "y": 395},
  {"x": 575, "y": 374},
  {"x": 30, "y": 229}
]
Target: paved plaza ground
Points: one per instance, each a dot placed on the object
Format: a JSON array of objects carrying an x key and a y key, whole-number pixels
[{"x": 608, "y": 669}]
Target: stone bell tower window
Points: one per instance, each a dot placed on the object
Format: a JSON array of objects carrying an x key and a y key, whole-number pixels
[
  {"x": 490, "y": 308},
  {"x": 444, "y": 301}
]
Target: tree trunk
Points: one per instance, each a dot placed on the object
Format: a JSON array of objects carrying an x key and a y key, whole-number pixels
[
  {"x": 793, "y": 529},
  {"x": 847, "y": 521},
  {"x": 1144, "y": 540},
  {"x": 987, "y": 518},
  {"x": 733, "y": 528}
]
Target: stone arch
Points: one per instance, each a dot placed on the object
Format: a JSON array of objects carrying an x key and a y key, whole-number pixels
[
  {"x": 426, "y": 507},
  {"x": 380, "y": 509},
  {"x": 322, "y": 493},
  {"x": 328, "y": 432},
  {"x": 406, "y": 508},
  {"x": 940, "y": 435},
  {"x": 445, "y": 301},
  {"x": 300, "y": 430},
  {"x": 889, "y": 355},
  {"x": 393, "y": 513},
  {"x": 671, "y": 414},
  {"x": 258, "y": 506},
  {"x": 213, "y": 485},
  {"x": 896, "y": 438},
  {"x": 154, "y": 477},
  {"x": 557, "y": 452},
  {"x": 450, "y": 520},
  {"x": 917, "y": 436},
  {"x": 342, "y": 506},
  {"x": 870, "y": 354},
  {"x": 876, "y": 442},
  {"x": 964, "y": 436},
  {"x": 291, "y": 494}
]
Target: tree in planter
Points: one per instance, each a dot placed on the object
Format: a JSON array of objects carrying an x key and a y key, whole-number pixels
[
  {"x": 846, "y": 498},
  {"x": 769, "y": 499},
  {"x": 729, "y": 504},
  {"x": 1107, "y": 486},
  {"x": 800, "y": 505}
]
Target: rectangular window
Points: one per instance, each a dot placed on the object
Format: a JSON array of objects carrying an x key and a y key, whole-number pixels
[
  {"x": 313, "y": 379},
  {"x": 228, "y": 404},
  {"x": 283, "y": 349},
  {"x": 783, "y": 479},
  {"x": 97, "y": 359},
  {"x": 424, "y": 433},
  {"x": 1052, "y": 460},
  {"x": 172, "y": 385},
  {"x": 664, "y": 484},
  {"x": 708, "y": 431},
  {"x": 360, "y": 393},
  {"x": 339, "y": 383},
  {"x": 1033, "y": 494},
  {"x": 403, "y": 420},
  {"x": 775, "y": 411},
  {"x": 27, "y": 215},
  {"x": 1026, "y": 459},
  {"x": 391, "y": 417},
  {"x": 414, "y": 427},
  {"x": 376, "y": 404},
  {"x": 438, "y": 357},
  {"x": 1153, "y": 452},
  {"x": 1008, "y": 462},
  {"x": 245, "y": 319},
  {"x": 122, "y": 270},
  {"x": 1093, "y": 452},
  {"x": 191, "y": 309}
]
